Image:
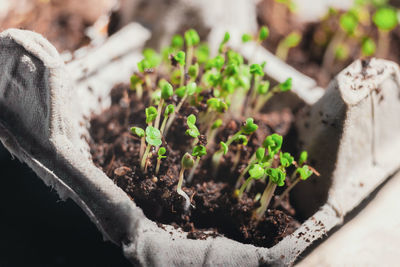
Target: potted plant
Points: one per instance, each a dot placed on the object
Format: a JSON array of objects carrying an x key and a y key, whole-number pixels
[{"x": 331, "y": 131}]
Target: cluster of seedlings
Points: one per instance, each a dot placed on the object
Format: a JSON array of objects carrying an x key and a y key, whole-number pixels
[
  {"x": 339, "y": 36},
  {"x": 220, "y": 89}
]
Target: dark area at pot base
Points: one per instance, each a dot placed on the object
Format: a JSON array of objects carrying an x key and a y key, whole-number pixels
[
  {"x": 116, "y": 151},
  {"x": 37, "y": 229}
]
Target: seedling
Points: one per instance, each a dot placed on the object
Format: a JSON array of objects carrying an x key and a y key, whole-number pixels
[
  {"x": 180, "y": 58},
  {"x": 290, "y": 41},
  {"x": 248, "y": 128},
  {"x": 184, "y": 91},
  {"x": 151, "y": 115},
  {"x": 348, "y": 23},
  {"x": 368, "y": 47},
  {"x": 140, "y": 133},
  {"x": 170, "y": 109},
  {"x": 153, "y": 138},
  {"x": 186, "y": 163},
  {"x": 265, "y": 94},
  {"x": 161, "y": 152},
  {"x": 166, "y": 92},
  {"x": 385, "y": 18},
  {"x": 193, "y": 131},
  {"x": 192, "y": 39},
  {"x": 222, "y": 47},
  {"x": 136, "y": 84},
  {"x": 198, "y": 152},
  {"x": 303, "y": 172}
]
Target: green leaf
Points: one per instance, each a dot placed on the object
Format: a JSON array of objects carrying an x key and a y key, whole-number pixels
[
  {"x": 193, "y": 71},
  {"x": 144, "y": 65},
  {"x": 303, "y": 157},
  {"x": 187, "y": 161},
  {"x": 263, "y": 33},
  {"x": 153, "y": 136},
  {"x": 305, "y": 172},
  {"x": 217, "y": 104},
  {"x": 224, "y": 147},
  {"x": 385, "y": 18},
  {"x": 286, "y": 85},
  {"x": 277, "y": 176},
  {"x": 231, "y": 69},
  {"x": 216, "y": 124},
  {"x": 180, "y": 57},
  {"x": 246, "y": 38},
  {"x": 199, "y": 151},
  {"x": 249, "y": 126},
  {"x": 263, "y": 88},
  {"x": 169, "y": 110},
  {"x": 177, "y": 41},
  {"x": 191, "y": 122},
  {"x": 137, "y": 131},
  {"x": 166, "y": 90},
  {"x": 348, "y": 22},
  {"x": 260, "y": 153},
  {"x": 228, "y": 85},
  {"x": 151, "y": 114},
  {"x": 192, "y": 37},
  {"x": 368, "y": 47},
  {"x": 161, "y": 152},
  {"x": 256, "y": 171},
  {"x": 286, "y": 159},
  {"x": 226, "y": 38},
  {"x": 256, "y": 69},
  {"x": 292, "y": 40},
  {"x": 273, "y": 142}
]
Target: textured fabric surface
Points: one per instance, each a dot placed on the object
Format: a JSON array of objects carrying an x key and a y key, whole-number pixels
[{"x": 38, "y": 126}]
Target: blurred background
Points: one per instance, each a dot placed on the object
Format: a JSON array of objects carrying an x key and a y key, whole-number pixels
[{"x": 36, "y": 229}]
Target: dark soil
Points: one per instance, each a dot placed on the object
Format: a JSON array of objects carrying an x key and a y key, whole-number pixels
[
  {"x": 308, "y": 56},
  {"x": 116, "y": 151},
  {"x": 63, "y": 23}
]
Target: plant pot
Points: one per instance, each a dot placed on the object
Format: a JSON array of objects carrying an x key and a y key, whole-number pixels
[{"x": 42, "y": 121}]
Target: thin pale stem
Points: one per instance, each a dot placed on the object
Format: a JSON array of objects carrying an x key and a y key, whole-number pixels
[
  {"x": 182, "y": 69},
  {"x": 244, "y": 185},
  {"x": 139, "y": 90},
  {"x": 164, "y": 122},
  {"x": 159, "y": 109},
  {"x": 144, "y": 158},
  {"x": 191, "y": 174},
  {"x": 158, "y": 165},
  {"x": 265, "y": 199},
  {"x": 189, "y": 57},
  {"x": 243, "y": 173},
  {"x": 173, "y": 115},
  {"x": 142, "y": 146},
  {"x": 180, "y": 191}
]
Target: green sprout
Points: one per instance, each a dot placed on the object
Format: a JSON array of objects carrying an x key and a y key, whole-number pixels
[
  {"x": 177, "y": 41},
  {"x": 222, "y": 46},
  {"x": 140, "y": 133},
  {"x": 385, "y": 19},
  {"x": 188, "y": 90},
  {"x": 248, "y": 128},
  {"x": 170, "y": 109},
  {"x": 263, "y": 33},
  {"x": 272, "y": 144},
  {"x": 193, "y": 131},
  {"x": 198, "y": 152},
  {"x": 161, "y": 152},
  {"x": 151, "y": 115},
  {"x": 186, "y": 163},
  {"x": 193, "y": 72},
  {"x": 246, "y": 38},
  {"x": 166, "y": 92},
  {"x": 266, "y": 94},
  {"x": 192, "y": 39},
  {"x": 180, "y": 58},
  {"x": 153, "y": 138},
  {"x": 303, "y": 172},
  {"x": 136, "y": 84},
  {"x": 290, "y": 41}
]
